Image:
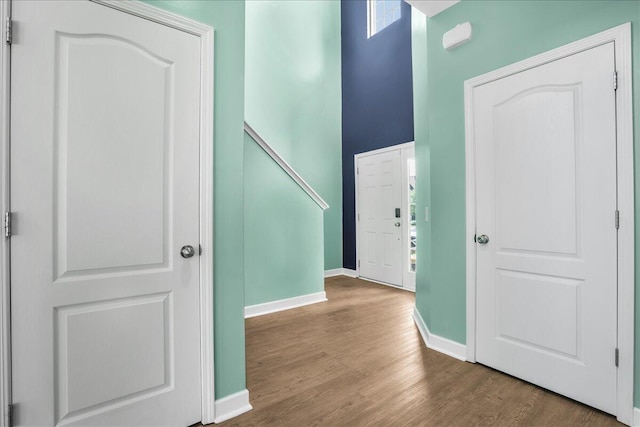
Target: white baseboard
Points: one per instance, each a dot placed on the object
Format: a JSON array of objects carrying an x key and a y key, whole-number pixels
[
  {"x": 340, "y": 272},
  {"x": 366, "y": 279},
  {"x": 334, "y": 272},
  {"x": 350, "y": 273},
  {"x": 438, "y": 343},
  {"x": 283, "y": 304},
  {"x": 636, "y": 417},
  {"x": 232, "y": 406}
]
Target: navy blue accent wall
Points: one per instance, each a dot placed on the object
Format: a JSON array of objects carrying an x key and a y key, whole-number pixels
[{"x": 377, "y": 99}]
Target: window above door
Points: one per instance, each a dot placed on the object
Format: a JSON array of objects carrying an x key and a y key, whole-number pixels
[{"x": 381, "y": 14}]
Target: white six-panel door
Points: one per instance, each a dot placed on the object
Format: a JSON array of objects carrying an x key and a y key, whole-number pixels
[
  {"x": 380, "y": 248},
  {"x": 104, "y": 189},
  {"x": 385, "y": 181},
  {"x": 546, "y": 202}
]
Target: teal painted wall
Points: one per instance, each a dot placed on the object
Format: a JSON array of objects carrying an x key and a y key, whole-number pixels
[
  {"x": 227, "y": 19},
  {"x": 293, "y": 97},
  {"x": 283, "y": 233},
  {"x": 423, "y": 161},
  {"x": 504, "y": 32}
]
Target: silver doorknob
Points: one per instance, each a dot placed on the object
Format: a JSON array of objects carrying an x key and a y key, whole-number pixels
[
  {"x": 397, "y": 224},
  {"x": 187, "y": 251},
  {"x": 483, "y": 239}
]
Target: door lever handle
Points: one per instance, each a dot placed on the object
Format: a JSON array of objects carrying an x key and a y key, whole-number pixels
[{"x": 397, "y": 224}]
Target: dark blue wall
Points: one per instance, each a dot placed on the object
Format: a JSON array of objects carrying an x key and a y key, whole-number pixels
[{"x": 377, "y": 99}]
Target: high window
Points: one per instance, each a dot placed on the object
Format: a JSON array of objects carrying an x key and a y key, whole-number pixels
[{"x": 381, "y": 14}]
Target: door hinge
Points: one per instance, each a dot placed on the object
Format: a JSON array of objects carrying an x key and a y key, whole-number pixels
[
  {"x": 615, "y": 80},
  {"x": 7, "y": 224},
  {"x": 9, "y": 34},
  {"x": 617, "y": 357},
  {"x": 617, "y": 219},
  {"x": 10, "y": 415},
  {"x": 358, "y": 217},
  {"x": 358, "y": 263},
  {"x": 357, "y": 171}
]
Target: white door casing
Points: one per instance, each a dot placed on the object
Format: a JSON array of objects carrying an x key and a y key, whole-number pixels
[
  {"x": 551, "y": 221},
  {"x": 105, "y": 161},
  {"x": 381, "y": 238}
]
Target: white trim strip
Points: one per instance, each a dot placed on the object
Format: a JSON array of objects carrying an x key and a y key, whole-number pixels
[
  {"x": 350, "y": 273},
  {"x": 161, "y": 16},
  {"x": 340, "y": 272},
  {"x": 378, "y": 282},
  {"x": 5, "y": 162},
  {"x": 438, "y": 343},
  {"x": 334, "y": 272},
  {"x": 403, "y": 146},
  {"x": 285, "y": 166},
  {"x": 283, "y": 304},
  {"x": 207, "y": 213},
  {"x": 232, "y": 406},
  {"x": 636, "y": 417}
]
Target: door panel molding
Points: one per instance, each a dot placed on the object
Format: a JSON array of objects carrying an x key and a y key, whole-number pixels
[
  {"x": 621, "y": 37},
  {"x": 206, "y": 35}
]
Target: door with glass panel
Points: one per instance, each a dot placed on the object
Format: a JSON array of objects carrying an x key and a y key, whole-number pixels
[{"x": 385, "y": 215}]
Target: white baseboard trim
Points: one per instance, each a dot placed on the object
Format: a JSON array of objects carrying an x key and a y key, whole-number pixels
[
  {"x": 340, "y": 272},
  {"x": 437, "y": 343},
  {"x": 334, "y": 272},
  {"x": 349, "y": 272},
  {"x": 636, "y": 417},
  {"x": 366, "y": 279},
  {"x": 283, "y": 304},
  {"x": 232, "y": 406}
]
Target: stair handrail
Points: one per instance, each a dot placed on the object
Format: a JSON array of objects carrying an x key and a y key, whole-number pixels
[{"x": 285, "y": 166}]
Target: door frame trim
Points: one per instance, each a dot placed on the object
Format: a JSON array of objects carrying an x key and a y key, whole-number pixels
[
  {"x": 621, "y": 36},
  {"x": 206, "y": 34},
  {"x": 356, "y": 157},
  {"x": 5, "y": 302}
]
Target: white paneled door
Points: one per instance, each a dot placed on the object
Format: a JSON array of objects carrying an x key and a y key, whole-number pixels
[
  {"x": 104, "y": 190},
  {"x": 386, "y": 216},
  {"x": 546, "y": 233},
  {"x": 380, "y": 234}
]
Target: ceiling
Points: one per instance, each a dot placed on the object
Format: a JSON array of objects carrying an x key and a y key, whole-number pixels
[{"x": 431, "y": 7}]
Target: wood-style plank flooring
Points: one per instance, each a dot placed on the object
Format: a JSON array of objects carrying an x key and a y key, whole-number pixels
[{"x": 358, "y": 360}]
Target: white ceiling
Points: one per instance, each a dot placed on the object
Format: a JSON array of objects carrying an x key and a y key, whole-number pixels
[{"x": 431, "y": 7}]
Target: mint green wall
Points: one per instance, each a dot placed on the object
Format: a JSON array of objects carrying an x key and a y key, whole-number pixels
[
  {"x": 293, "y": 96},
  {"x": 227, "y": 19},
  {"x": 423, "y": 160},
  {"x": 504, "y": 32},
  {"x": 283, "y": 233}
]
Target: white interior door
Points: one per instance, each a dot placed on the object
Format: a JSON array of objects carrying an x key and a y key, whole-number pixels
[
  {"x": 380, "y": 216},
  {"x": 104, "y": 189},
  {"x": 546, "y": 200}
]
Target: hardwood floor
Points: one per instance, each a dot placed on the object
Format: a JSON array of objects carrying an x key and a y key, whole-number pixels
[{"x": 358, "y": 360}]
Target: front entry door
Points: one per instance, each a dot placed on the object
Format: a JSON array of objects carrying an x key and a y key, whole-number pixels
[
  {"x": 547, "y": 239},
  {"x": 104, "y": 190},
  {"x": 386, "y": 236}
]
